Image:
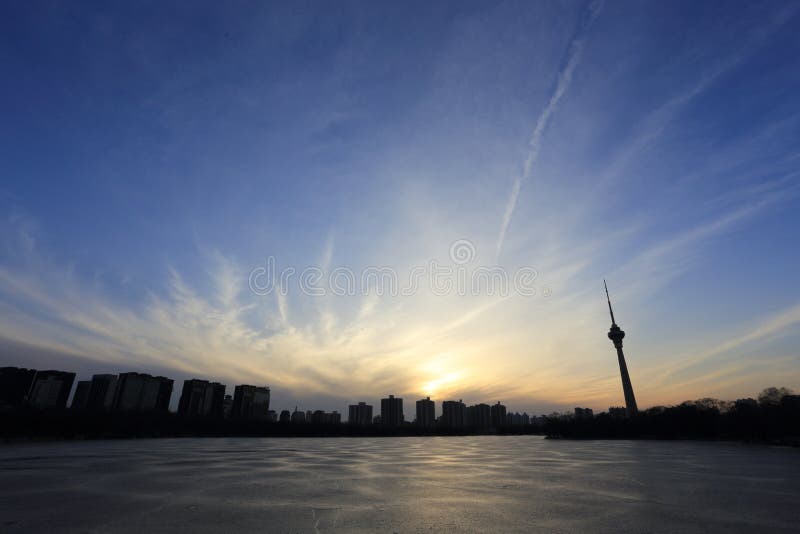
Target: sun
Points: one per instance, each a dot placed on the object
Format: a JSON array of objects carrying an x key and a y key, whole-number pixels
[{"x": 443, "y": 383}]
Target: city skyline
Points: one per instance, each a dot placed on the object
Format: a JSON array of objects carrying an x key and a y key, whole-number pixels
[
  {"x": 153, "y": 161},
  {"x": 52, "y": 391}
]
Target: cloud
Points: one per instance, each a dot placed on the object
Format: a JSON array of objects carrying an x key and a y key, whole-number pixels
[
  {"x": 657, "y": 121},
  {"x": 693, "y": 366},
  {"x": 564, "y": 80},
  {"x": 661, "y": 261}
]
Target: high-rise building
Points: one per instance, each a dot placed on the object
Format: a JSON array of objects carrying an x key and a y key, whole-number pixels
[
  {"x": 479, "y": 416},
  {"x": 298, "y": 416},
  {"x": 360, "y": 414},
  {"x": 227, "y": 405},
  {"x": 250, "y": 402},
  {"x": 201, "y": 398},
  {"x": 392, "y": 411},
  {"x": 51, "y": 389},
  {"x": 165, "y": 386},
  {"x": 141, "y": 392},
  {"x": 318, "y": 417},
  {"x": 15, "y": 385},
  {"x": 150, "y": 390},
  {"x": 498, "y": 415},
  {"x": 102, "y": 393},
  {"x": 321, "y": 417},
  {"x": 215, "y": 399},
  {"x": 518, "y": 419},
  {"x": 426, "y": 412},
  {"x": 454, "y": 414},
  {"x": 285, "y": 417},
  {"x": 81, "y": 398},
  {"x": 127, "y": 392},
  {"x": 128, "y": 395},
  {"x": 616, "y": 334}
]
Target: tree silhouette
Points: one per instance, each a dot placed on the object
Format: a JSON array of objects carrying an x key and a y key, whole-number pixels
[{"x": 772, "y": 396}]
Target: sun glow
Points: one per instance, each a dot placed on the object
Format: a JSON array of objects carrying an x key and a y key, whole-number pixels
[{"x": 443, "y": 383}]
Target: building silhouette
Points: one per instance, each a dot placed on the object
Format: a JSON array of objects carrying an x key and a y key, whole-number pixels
[
  {"x": 102, "y": 393},
  {"x": 51, "y": 389},
  {"x": 318, "y": 417},
  {"x": 135, "y": 392},
  {"x": 584, "y": 413},
  {"x": 518, "y": 419},
  {"x": 454, "y": 414},
  {"x": 128, "y": 394},
  {"x": 498, "y": 415},
  {"x": 479, "y": 416},
  {"x": 321, "y": 417},
  {"x": 250, "y": 402},
  {"x": 616, "y": 334},
  {"x": 201, "y": 398},
  {"x": 227, "y": 406},
  {"x": 392, "y": 411},
  {"x": 360, "y": 414},
  {"x": 426, "y": 412},
  {"x": 298, "y": 416},
  {"x": 15, "y": 384},
  {"x": 141, "y": 392},
  {"x": 81, "y": 397},
  {"x": 165, "y": 386}
]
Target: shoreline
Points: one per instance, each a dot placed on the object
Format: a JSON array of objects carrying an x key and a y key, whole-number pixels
[{"x": 785, "y": 442}]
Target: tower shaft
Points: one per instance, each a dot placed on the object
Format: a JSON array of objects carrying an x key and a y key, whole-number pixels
[
  {"x": 616, "y": 335},
  {"x": 627, "y": 388}
]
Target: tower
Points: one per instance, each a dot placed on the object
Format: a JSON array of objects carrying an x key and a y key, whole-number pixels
[{"x": 616, "y": 334}]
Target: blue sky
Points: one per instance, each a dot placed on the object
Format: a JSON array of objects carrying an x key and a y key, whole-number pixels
[{"x": 152, "y": 156}]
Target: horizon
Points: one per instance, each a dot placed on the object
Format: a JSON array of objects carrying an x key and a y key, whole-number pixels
[
  {"x": 264, "y": 197},
  {"x": 409, "y": 404}
]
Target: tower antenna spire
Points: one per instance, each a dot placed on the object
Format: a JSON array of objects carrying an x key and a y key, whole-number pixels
[{"x": 609, "y": 303}]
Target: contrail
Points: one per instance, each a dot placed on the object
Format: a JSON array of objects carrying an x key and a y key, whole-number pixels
[{"x": 563, "y": 83}]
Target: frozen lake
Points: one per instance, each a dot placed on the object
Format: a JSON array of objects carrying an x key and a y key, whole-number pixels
[{"x": 434, "y": 484}]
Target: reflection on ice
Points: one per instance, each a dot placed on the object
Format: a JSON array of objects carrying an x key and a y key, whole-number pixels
[{"x": 458, "y": 484}]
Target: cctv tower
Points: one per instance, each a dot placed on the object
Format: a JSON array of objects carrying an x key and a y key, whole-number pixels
[{"x": 616, "y": 334}]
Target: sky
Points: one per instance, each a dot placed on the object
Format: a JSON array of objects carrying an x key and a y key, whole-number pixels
[{"x": 158, "y": 161}]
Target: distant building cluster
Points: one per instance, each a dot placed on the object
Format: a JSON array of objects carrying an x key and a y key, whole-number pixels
[
  {"x": 143, "y": 393},
  {"x": 455, "y": 415},
  {"x": 317, "y": 417}
]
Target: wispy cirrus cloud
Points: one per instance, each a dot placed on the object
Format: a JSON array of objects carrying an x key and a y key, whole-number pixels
[{"x": 563, "y": 81}]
